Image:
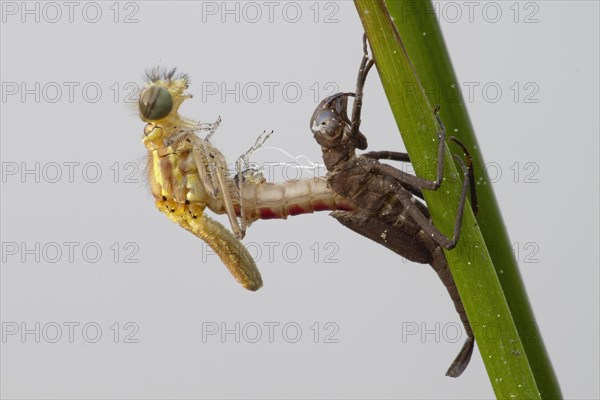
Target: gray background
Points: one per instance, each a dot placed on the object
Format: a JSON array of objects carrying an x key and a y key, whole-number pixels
[{"x": 176, "y": 289}]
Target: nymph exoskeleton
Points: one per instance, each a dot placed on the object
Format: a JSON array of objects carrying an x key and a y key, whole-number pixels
[{"x": 388, "y": 202}]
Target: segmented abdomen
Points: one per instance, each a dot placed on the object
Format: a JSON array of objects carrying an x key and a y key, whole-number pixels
[{"x": 278, "y": 200}]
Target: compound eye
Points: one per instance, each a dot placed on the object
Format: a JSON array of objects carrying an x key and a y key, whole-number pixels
[
  {"x": 327, "y": 123},
  {"x": 155, "y": 103}
]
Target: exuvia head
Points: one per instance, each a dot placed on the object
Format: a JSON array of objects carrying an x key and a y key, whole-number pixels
[
  {"x": 331, "y": 126},
  {"x": 329, "y": 120}
]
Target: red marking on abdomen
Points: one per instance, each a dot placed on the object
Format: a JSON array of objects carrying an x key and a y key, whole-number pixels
[
  {"x": 320, "y": 206},
  {"x": 296, "y": 210},
  {"x": 267, "y": 213}
]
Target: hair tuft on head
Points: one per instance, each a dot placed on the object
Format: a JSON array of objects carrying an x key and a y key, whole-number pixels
[{"x": 162, "y": 74}]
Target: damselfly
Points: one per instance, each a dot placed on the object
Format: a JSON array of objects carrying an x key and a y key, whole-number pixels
[{"x": 187, "y": 175}]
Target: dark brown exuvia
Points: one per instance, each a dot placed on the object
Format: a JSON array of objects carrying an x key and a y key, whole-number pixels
[{"x": 389, "y": 207}]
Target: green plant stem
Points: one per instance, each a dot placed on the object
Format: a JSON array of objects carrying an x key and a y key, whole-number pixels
[
  {"x": 420, "y": 31},
  {"x": 482, "y": 295}
]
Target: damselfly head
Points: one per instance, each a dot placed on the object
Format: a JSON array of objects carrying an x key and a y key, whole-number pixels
[{"x": 163, "y": 94}]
